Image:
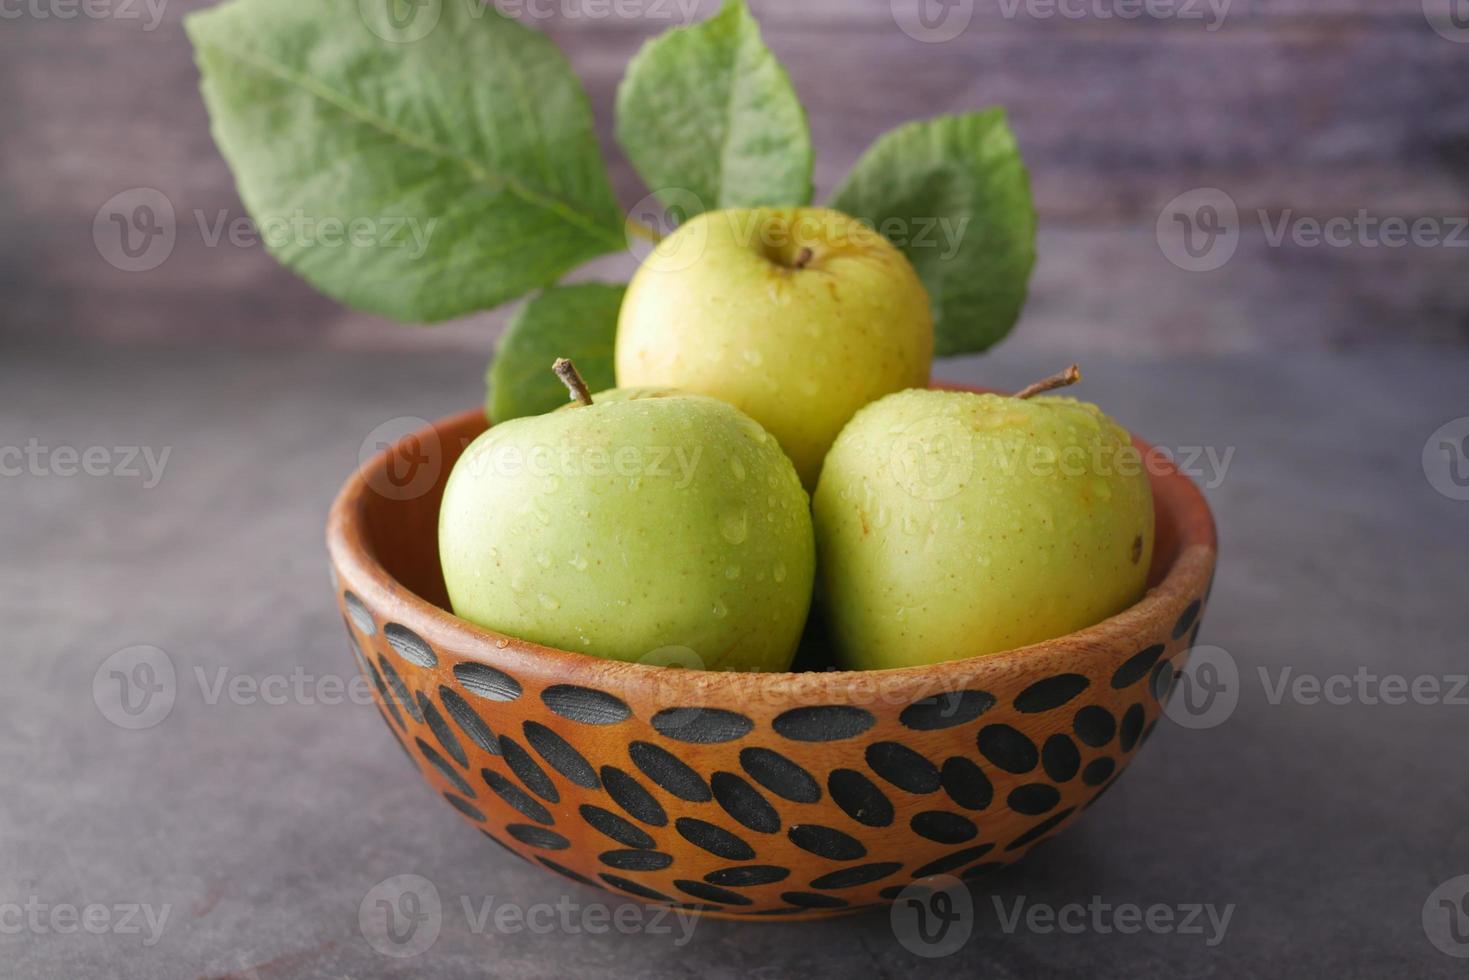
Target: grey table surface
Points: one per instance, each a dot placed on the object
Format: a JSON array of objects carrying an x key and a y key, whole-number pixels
[{"x": 252, "y": 826}]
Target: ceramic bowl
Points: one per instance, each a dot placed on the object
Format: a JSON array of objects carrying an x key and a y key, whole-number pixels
[{"x": 785, "y": 796}]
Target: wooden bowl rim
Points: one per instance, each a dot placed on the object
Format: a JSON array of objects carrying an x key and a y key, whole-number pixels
[{"x": 359, "y": 571}]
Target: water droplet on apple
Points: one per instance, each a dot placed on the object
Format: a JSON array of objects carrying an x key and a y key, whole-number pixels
[
  {"x": 737, "y": 468},
  {"x": 734, "y": 527},
  {"x": 753, "y": 357},
  {"x": 732, "y": 572},
  {"x": 720, "y": 609},
  {"x": 543, "y": 559},
  {"x": 779, "y": 572},
  {"x": 548, "y": 601},
  {"x": 578, "y": 562}
]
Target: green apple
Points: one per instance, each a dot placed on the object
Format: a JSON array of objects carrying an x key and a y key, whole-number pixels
[
  {"x": 631, "y": 525},
  {"x": 799, "y": 317},
  {"x": 952, "y": 524}
]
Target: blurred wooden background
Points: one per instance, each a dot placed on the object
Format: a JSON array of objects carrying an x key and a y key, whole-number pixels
[{"x": 1318, "y": 108}]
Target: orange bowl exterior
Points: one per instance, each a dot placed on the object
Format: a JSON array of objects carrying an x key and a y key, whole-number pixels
[{"x": 784, "y": 796}]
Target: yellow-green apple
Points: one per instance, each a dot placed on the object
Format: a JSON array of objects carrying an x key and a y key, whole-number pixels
[
  {"x": 798, "y": 317},
  {"x": 952, "y": 524},
  {"x": 630, "y": 524}
]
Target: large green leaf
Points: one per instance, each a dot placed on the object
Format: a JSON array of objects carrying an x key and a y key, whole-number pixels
[
  {"x": 708, "y": 111},
  {"x": 953, "y": 194},
  {"x": 579, "y": 322},
  {"x": 422, "y": 177}
]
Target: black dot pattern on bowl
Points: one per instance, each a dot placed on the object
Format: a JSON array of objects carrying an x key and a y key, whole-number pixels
[
  {"x": 1007, "y": 748},
  {"x": 826, "y": 842},
  {"x": 1033, "y": 799},
  {"x": 701, "y": 725},
  {"x": 561, "y": 756},
  {"x": 634, "y": 888},
  {"x": 1160, "y": 683},
  {"x": 465, "y": 807},
  {"x": 1131, "y": 727},
  {"x": 563, "y": 870},
  {"x": 636, "y": 860},
  {"x": 944, "y": 827},
  {"x": 441, "y": 729},
  {"x": 903, "y": 767},
  {"x": 410, "y": 646},
  {"x": 714, "y": 839},
  {"x": 812, "y": 900},
  {"x": 747, "y": 875},
  {"x": 1094, "y": 725},
  {"x": 527, "y": 771},
  {"x": 585, "y": 705},
  {"x": 711, "y": 893},
  {"x": 743, "y": 802},
  {"x": 486, "y": 682},
  {"x": 1186, "y": 621},
  {"x": 859, "y": 798},
  {"x": 1040, "y": 830},
  {"x": 1098, "y": 771},
  {"x": 1136, "y": 667},
  {"x": 1050, "y": 693},
  {"x": 860, "y": 874},
  {"x": 631, "y": 796},
  {"x": 546, "y": 840},
  {"x": 823, "y": 723},
  {"x": 400, "y": 690},
  {"x": 780, "y": 775},
  {"x": 954, "y": 860},
  {"x": 361, "y": 618},
  {"x": 385, "y": 696},
  {"x": 669, "y": 772},
  {"x": 946, "y": 710},
  {"x": 468, "y": 720},
  {"x": 1060, "y": 758},
  {"x": 966, "y": 783},
  {"x": 611, "y": 825},
  {"x": 523, "y": 802},
  {"x": 446, "y": 770}
]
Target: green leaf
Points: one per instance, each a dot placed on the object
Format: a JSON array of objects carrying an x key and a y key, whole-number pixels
[
  {"x": 579, "y": 322},
  {"x": 954, "y": 195},
  {"x": 708, "y": 111},
  {"x": 422, "y": 177}
]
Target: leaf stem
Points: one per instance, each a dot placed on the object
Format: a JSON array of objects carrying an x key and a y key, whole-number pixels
[{"x": 643, "y": 231}]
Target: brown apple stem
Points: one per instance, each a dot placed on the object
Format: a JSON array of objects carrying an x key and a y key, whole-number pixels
[
  {"x": 1060, "y": 379},
  {"x": 566, "y": 371},
  {"x": 803, "y": 258}
]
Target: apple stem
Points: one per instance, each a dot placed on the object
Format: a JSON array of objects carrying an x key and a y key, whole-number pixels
[
  {"x": 566, "y": 371},
  {"x": 803, "y": 258},
  {"x": 1060, "y": 379}
]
